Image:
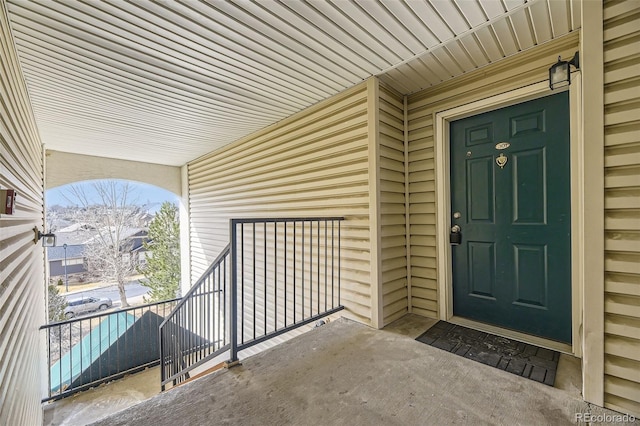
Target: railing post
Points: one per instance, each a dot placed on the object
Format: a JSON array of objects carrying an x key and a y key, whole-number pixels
[
  {"x": 233, "y": 323},
  {"x": 162, "y": 371}
]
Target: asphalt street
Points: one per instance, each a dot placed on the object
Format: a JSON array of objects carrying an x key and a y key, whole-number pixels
[{"x": 134, "y": 291}]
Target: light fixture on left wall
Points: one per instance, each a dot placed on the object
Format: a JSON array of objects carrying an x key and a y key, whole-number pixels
[{"x": 48, "y": 240}]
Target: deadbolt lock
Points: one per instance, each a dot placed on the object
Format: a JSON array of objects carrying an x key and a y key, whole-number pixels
[{"x": 455, "y": 237}]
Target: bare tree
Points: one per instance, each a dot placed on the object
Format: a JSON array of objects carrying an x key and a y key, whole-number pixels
[{"x": 109, "y": 213}]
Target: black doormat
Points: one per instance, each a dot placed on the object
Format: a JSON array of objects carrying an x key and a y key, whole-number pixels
[{"x": 519, "y": 358}]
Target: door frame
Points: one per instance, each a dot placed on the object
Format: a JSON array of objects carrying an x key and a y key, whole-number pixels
[{"x": 443, "y": 206}]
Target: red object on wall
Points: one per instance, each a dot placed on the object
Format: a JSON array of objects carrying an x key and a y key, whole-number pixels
[{"x": 8, "y": 197}]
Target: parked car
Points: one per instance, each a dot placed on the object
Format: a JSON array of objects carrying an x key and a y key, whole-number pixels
[{"x": 83, "y": 305}]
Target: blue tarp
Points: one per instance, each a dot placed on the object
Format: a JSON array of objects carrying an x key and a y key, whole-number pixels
[{"x": 88, "y": 350}]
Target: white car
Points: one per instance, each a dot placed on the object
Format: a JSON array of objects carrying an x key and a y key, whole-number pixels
[{"x": 83, "y": 305}]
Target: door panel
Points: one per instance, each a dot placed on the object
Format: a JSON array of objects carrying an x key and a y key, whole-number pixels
[
  {"x": 530, "y": 197},
  {"x": 480, "y": 196},
  {"x": 512, "y": 268},
  {"x": 482, "y": 269},
  {"x": 531, "y": 284}
]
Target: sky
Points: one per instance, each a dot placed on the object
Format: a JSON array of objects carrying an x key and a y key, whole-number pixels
[{"x": 143, "y": 193}]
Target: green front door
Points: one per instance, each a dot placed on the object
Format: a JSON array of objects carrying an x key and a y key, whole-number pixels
[{"x": 510, "y": 192}]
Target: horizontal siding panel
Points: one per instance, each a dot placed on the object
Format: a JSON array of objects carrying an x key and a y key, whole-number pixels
[
  {"x": 349, "y": 150},
  {"x": 22, "y": 294},
  {"x": 622, "y": 388},
  {"x": 393, "y": 228},
  {"x": 290, "y": 197},
  {"x": 394, "y": 187},
  {"x": 622, "y": 262},
  {"x": 424, "y": 304},
  {"x": 622, "y": 198},
  {"x": 622, "y": 241},
  {"x": 424, "y": 283},
  {"x": 622, "y": 24},
  {"x": 396, "y": 305},
  {"x": 622, "y": 405},
  {"x": 397, "y": 286},
  {"x": 394, "y": 220},
  {"x": 424, "y": 240},
  {"x": 422, "y": 176},
  {"x": 421, "y": 165},
  {"x": 621, "y": 157},
  {"x": 618, "y": 50},
  {"x": 426, "y": 199},
  {"x": 623, "y": 347},
  {"x": 306, "y": 189},
  {"x": 619, "y": 319},
  {"x": 621, "y": 96},
  {"x": 626, "y": 284},
  {"x": 394, "y": 275},
  {"x": 623, "y": 112},
  {"x": 426, "y": 263},
  {"x": 623, "y": 368},
  {"x": 423, "y": 251},
  {"x": 428, "y": 313},
  {"x": 391, "y": 175},
  {"x": 420, "y": 271},
  {"x": 620, "y": 72},
  {"x": 425, "y": 293},
  {"x": 623, "y": 220},
  {"x": 622, "y": 178},
  {"x": 393, "y": 169},
  {"x": 388, "y": 319},
  {"x": 294, "y": 152},
  {"x": 392, "y": 132},
  {"x": 614, "y": 10},
  {"x": 390, "y": 151},
  {"x": 391, "y": 243},
  {"x": 420, "y": 152},
  {"x": 349, "y": 163}
]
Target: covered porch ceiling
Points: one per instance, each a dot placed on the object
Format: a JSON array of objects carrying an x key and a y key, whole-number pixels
[{"x": 168, "y": 81}]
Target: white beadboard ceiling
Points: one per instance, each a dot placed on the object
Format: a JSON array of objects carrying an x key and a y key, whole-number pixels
[{"x": 168, "y": 81}]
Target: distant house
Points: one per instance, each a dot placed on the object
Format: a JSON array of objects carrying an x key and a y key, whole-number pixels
[
  {"x": 77, "y": 237},
  {"x": 135, "y": 238},
  {"x": 134, "y": 245},
  {"x": 140, "y": 254},
  {"x": 72, "y": 257}
]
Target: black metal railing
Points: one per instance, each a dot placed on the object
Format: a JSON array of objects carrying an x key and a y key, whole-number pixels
[
  {"x": 84, "y": 352},
  {"x": 286, "y": 274},
  {"x": 196, "y": 330},
  {"x": 276, "y": 274}
]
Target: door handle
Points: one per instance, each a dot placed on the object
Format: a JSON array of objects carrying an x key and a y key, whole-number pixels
[{"x": 455, "y": 236}]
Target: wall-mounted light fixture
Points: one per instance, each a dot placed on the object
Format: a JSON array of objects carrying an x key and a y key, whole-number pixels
[
  {"x": 560, "y": 72},
  {"x": 48, "y": 240}
]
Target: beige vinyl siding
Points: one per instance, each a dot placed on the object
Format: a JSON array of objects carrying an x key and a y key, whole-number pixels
[
  {"x": 314, "y": 163},
  {"x": 512, "y": 73},
  {"x": 622, "y": 205},
  {"x": 21, "y": 261},
  {"x": 392, "y": 205}
]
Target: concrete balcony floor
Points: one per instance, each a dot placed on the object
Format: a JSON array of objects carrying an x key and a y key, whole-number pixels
[{"x": 347, "y": 373}]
